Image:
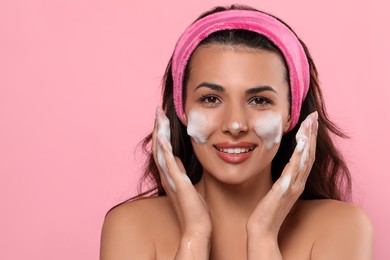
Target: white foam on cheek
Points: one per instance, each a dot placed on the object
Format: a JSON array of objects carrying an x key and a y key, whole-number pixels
[
  {"x": 198, "y": 126},
  {"x": 269, "y": 128}
]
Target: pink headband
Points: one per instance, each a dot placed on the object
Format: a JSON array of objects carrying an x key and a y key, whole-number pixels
[{"x": 255, "y": 21}]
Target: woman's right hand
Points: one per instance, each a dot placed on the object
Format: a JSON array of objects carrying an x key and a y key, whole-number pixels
[{"x": 190, "y": 207}]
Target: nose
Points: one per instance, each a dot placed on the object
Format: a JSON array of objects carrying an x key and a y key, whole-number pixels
[{"x": 235, "y": 122}]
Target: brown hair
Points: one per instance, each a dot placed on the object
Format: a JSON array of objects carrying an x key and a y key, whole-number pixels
[{"x": 329, "y": 177}]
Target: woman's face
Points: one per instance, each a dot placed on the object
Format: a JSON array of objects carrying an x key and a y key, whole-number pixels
[{"x": 236, "y": 110}]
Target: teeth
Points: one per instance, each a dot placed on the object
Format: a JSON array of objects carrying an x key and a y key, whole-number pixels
[{"x": 235, "y": 150}]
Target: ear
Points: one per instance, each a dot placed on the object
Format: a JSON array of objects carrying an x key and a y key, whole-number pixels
[
  {"x": 287, "y": 124},
  {"x": 185, "y": 120}
]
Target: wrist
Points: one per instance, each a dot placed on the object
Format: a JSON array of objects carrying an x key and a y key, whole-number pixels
[
  {"x": 194, "y": 246},
  {"x": 196, "y": 231},
  {"x": 263, "y": 246},
  {"x": 195, "y": 238},
  {"x": 257, "y": 230}
]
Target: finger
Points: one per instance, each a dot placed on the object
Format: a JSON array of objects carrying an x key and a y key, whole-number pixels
[
  {"x": 163, "y": 136},
  {"x": 313, "y": 140},
  {"x": 298, "y": 162},
  {"x": 163, "y": 129},
  {"x": 163, "y": 165},
  {"x": 154, "y": 141},
  {"x": 178, "y": 175},
  {"x": 161, "y": 122},
  {"x": 311, "y": 149},
  {"x": 154, "y": 135},
  {"x": 180, "y": 165},
  {"x": 305, "y": 133}
]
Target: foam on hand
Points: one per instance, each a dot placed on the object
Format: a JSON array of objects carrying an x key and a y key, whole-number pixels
[
  {"x": 285, "y": 183},
  {"x": 302, "y": 141},
  {"x": 164, "y": 134}
]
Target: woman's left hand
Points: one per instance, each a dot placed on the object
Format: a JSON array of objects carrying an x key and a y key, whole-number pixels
[{"x": 264, "y": 223}]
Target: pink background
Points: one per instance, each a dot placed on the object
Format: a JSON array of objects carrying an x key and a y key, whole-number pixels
[{"x": 79, "y": 82}]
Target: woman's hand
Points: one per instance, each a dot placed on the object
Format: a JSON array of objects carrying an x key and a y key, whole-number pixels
[
  {"x": 264, "y": 223},
  {"x": 190, "y": 208}
]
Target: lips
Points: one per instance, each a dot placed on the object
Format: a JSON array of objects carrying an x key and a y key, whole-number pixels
[{"x": 234, "y": 152}]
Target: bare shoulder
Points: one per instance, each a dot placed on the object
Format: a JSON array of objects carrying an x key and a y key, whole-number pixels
[
  {"x": 334, "y": 211},
  {"x": 129, "y": 229},
  {"x": 140, "y": 209},
  {"x": 344, "y": 231}
]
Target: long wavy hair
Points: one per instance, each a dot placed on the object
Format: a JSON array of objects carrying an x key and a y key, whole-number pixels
[{"x": 329, "y": 177}]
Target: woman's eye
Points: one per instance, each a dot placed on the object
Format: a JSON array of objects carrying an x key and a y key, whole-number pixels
[
  {"x": 260, "y": 101},
  {"x": 209, "y": 99}
]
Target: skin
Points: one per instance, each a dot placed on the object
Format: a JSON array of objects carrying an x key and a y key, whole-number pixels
[{"x": 236, "y": 211}]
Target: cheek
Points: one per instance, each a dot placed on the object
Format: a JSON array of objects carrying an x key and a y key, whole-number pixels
[
  {"x": 269, "y": 128},
  {"x": 200, "y": 125}
]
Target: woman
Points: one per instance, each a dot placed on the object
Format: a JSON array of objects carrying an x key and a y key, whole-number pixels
[{"x": 242, "y": 163}]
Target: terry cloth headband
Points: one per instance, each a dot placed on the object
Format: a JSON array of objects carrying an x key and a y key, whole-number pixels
[{"x": 254, "y": 21}]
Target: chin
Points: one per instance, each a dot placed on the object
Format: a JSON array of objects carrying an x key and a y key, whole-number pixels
[{"x": 236, "y": 174}]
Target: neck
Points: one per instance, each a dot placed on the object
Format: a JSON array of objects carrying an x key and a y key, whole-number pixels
[{"x": 237, "y": 201}]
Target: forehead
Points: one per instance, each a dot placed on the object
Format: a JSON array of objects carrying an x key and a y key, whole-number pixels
[{"x": 236, "y": 65}]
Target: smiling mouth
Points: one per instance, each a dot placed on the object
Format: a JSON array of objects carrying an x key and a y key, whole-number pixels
[
  {"x": 234, "y": 153},
  {"x": 235, "y": 150}
]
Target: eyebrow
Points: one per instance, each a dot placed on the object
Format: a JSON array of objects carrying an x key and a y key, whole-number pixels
[
  {"x": 212, "y": 86},
  {"x": 259, "y": 89},
  {"x": 250, "y": 91}
]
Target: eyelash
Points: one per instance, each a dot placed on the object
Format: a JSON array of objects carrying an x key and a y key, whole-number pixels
[
  {"x": 211, "y": 100},
  {"x": 264, "y": 101},
  {"x": 205, "y": 99}
]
